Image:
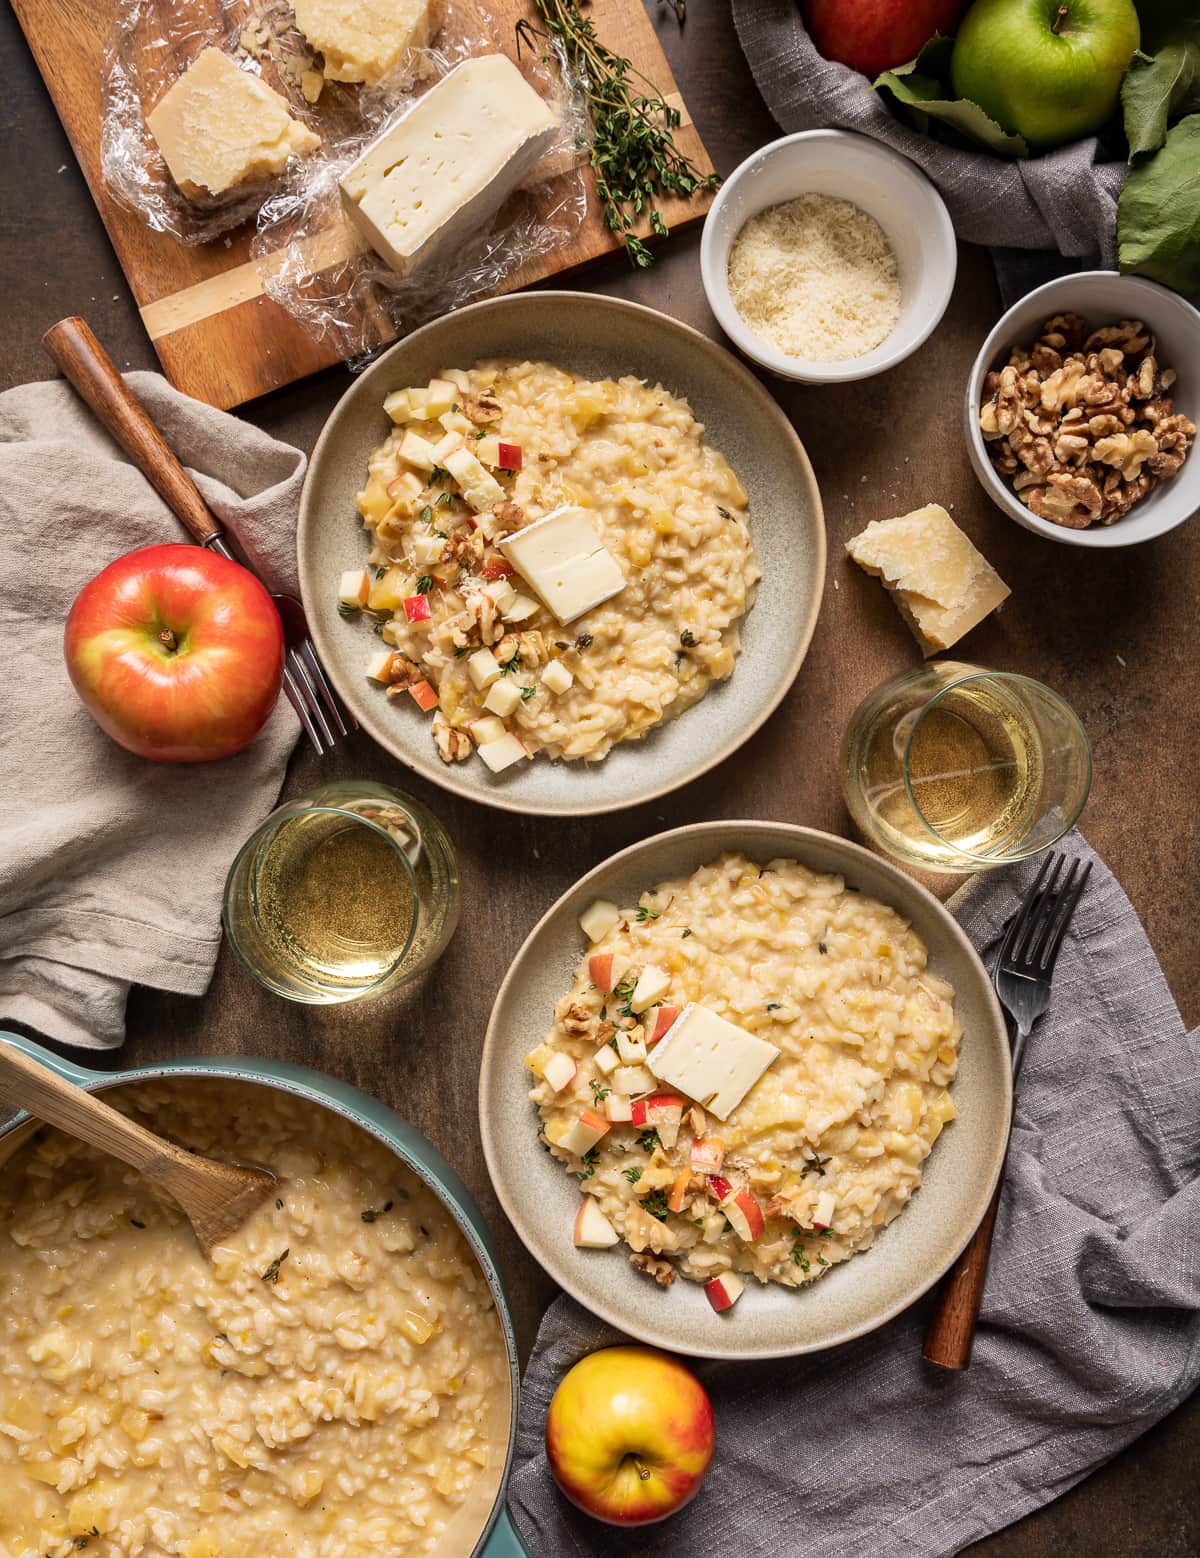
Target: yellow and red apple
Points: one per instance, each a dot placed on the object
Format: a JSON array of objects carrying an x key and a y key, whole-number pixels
[
  {"x": 176, "y": 652},
  {"x": 875, "y": 35},
  {"x": 629, "y": 1435}
]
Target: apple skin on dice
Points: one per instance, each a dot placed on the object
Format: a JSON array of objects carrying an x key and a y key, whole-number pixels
[
  {"x": 875, "y": 35},
  {"x": 629, "y": 1435},
  {"x": 1049, "y": 70},
  {"x": 176, "y": 652}
]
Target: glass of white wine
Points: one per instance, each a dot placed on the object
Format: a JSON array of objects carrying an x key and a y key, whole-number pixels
[
  {"x": 345, "y": 892},
  {"x": 956, "y": 768}
]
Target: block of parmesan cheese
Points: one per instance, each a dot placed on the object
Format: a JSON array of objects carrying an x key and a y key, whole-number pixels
[
  {"x": 445, "y": 169},
  {"x": 218, "y": 126},
  {"x": 364, "y": 40},
  {"x": 942, "y": 584}
]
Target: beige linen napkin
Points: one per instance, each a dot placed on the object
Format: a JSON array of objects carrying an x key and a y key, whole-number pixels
[{"x": 111, "y": 867}]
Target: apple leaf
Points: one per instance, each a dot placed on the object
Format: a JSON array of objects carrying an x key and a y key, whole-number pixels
[
  {"x": 922, "y": 87},
  {"x": 1158, "y": 214},
  {"x": 1157, "y": 90}
]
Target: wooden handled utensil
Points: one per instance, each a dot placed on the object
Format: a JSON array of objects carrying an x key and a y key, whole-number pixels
[{"x": 216, "y": 1198}]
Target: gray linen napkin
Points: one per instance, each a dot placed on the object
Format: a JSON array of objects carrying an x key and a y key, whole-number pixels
[
  {"x": 1089, "y": 1331},
  {"x": 111, "y": 867},
  {"x": 1065, "y": 200}
]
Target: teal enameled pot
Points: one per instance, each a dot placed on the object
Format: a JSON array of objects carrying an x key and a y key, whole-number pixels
[{"x": 497, "y": 1537}]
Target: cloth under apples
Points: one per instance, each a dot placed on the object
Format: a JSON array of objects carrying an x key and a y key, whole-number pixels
[
  {"x": 111, "y": 867},
  {"x": 1064, "y": 200},
  {"x": 1088, "y": 1334}
]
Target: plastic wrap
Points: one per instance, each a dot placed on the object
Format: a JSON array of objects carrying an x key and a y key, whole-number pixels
[
  {"x": 315, "y": 264},
  {"x": 151, "y": 44}
]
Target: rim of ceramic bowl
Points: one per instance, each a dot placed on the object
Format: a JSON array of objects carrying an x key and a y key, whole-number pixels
[
  {"x": 317, "y": 1088},
  {"x": 749, "y": 831},
  {"x": 1056, "y": 294},
  {"x": 715, "y": 247},
  {"x": 447, "y": 778}
]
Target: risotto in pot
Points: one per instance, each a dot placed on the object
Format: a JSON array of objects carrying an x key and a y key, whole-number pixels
[
  {"x": 335, "y": 1382},
  {"x": 556, "y": 564},
  {"x": 747, "y": 1074}
]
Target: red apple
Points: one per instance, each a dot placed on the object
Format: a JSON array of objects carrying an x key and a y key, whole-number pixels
[
  {"x": 875, "y": 35},
  {"x": 176, "y": 652},
  {"x": 629, "y": 1435}
]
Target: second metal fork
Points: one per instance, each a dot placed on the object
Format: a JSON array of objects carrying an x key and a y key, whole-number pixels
[{"x": 1031, "y": 947}]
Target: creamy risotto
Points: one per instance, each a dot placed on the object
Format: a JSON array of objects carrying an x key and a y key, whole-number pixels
[
  {"x": 825, "y": 1147},
  {"x": 335, "y": 1382},
  {"x": 620, "y": 611}
]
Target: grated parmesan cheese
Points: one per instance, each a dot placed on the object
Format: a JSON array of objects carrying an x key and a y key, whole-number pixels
[{"x": 816, "y": 278}]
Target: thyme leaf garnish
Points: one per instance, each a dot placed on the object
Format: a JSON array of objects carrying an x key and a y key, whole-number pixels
[{"x": 272, "y": 1272}]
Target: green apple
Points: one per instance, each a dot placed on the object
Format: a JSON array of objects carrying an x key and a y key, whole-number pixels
[{"x": 1049, "y": 70}]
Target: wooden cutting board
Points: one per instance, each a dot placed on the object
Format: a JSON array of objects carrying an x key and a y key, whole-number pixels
[{"x": 217, "y": 336}]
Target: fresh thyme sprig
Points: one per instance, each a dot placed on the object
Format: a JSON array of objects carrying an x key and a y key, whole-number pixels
[{"x": 633, "y": 153}]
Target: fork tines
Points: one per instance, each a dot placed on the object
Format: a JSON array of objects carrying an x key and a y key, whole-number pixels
[{"x": 1037, "y": 931}]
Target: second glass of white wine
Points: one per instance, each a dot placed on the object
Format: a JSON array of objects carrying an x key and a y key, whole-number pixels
[{"x": 956, "y": 768}]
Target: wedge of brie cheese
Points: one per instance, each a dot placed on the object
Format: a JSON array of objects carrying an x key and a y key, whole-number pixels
[
  {"x": 443, "y": 171},
  {"x": 942, "y": 585},
  {"x": 218, "y": 126},
  {"x": 710, "y": 1059},
  {"x": 365, "y": 40},
  {"x": 562, "y": 558}
]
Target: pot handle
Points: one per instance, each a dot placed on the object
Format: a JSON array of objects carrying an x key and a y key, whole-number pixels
[
  {"x": 67, "y": 1069},
  {"x": 504, "y": 1540}
]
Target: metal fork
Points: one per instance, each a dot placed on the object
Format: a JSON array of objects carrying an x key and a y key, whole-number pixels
[
  {"x": 1022, "y": 978},
  {"x": 93, "y": 373}
]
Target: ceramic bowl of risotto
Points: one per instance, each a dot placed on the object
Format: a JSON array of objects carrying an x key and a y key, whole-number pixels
[
  {"x": 560, "y": 553},
  {"x": 746, "y": 1090},
  {"x": 341, "y": 1376}
]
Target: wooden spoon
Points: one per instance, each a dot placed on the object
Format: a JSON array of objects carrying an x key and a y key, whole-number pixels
[{"x": 216, "y": 1198}]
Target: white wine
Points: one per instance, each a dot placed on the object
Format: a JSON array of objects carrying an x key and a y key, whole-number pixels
[
  {"x": 953, "y": 769},
  {"x": 351, "y": 890}
]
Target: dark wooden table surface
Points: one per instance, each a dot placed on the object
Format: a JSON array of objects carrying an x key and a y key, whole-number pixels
[{"x": 1114, "y": 632}]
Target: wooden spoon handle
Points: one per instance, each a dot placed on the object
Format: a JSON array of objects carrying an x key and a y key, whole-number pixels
[
  {"x": 26, "y": 1084},
  {"x": 951, "y": 1332},
  {"x": 92, "y": 371}
]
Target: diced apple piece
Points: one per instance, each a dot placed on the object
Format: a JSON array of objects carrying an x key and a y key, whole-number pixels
[
  {"x": 500, "y": 590},
  {"x": 826, "y": 1207},
  {"x": 558, "y": 1070},
  {"x": 617, "y": 1109},
  {"x": 455, "y": 422},
  {"x": 666, "y": 1016},
  {"x": 502, "y": 698},
  {"x": 719, "y": 1186},
  {"x": 581, "y": 1135},
  {"x": 745, "y": 1214},
  {"x": 600, "y": 966},
  {"x": 679, "y": 1191},
  {"x": 379, "y": 667},
  {"x": 398, "y": 406},
  {"x": 389, "y": 590},
  {"x": 354, "y": 587},
  {"x": 483, "y": 668},
  {"x": 489, "y": 728},
  {"x": 708, "y": 1155},
  {"x": 510, "y": 456},
  {"x": 723, "y": 1291},
  {"x": 440, "y": 396},
  {"x": 405, "y": 488},
  {"x": 652, "y": 983},
  {"x": 417, "y": 609},
  {"x": 606, "y": 1060},
  {"x": 556, "y": 676},
  {"x": 429, "y": 550},
  {"x": 417, "y": 451},
  {"x": 487, "y": 450},
  {"x": 630, "y": 1080},
  {"x": 598, "y": 919},
  {"x": 593, "y": 1231},
  {"x": 497, "y": 567},
  {"x": 481, "y": 490},
  {"x": 458, "y": 377},
  {"x": 503, "y": 753},
  {"x": 521, "y": 609},
  {"x": 445, "y": 446},
  {"x": 631, "y": 1050},
  {"x": 663, "y": 1111},
  {"x": 424, "y": 696}
]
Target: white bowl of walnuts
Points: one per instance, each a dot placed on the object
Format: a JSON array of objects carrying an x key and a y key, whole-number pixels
[{"x": 1081, "y": 410}]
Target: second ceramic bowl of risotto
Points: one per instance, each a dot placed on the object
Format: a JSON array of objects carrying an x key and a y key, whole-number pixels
[
  {"x": 542, "y": 1198},
  {"x": 592, "y": 337}
]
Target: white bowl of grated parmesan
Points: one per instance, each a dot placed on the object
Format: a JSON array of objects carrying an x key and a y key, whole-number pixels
[{"x": 828, "y": 257}]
